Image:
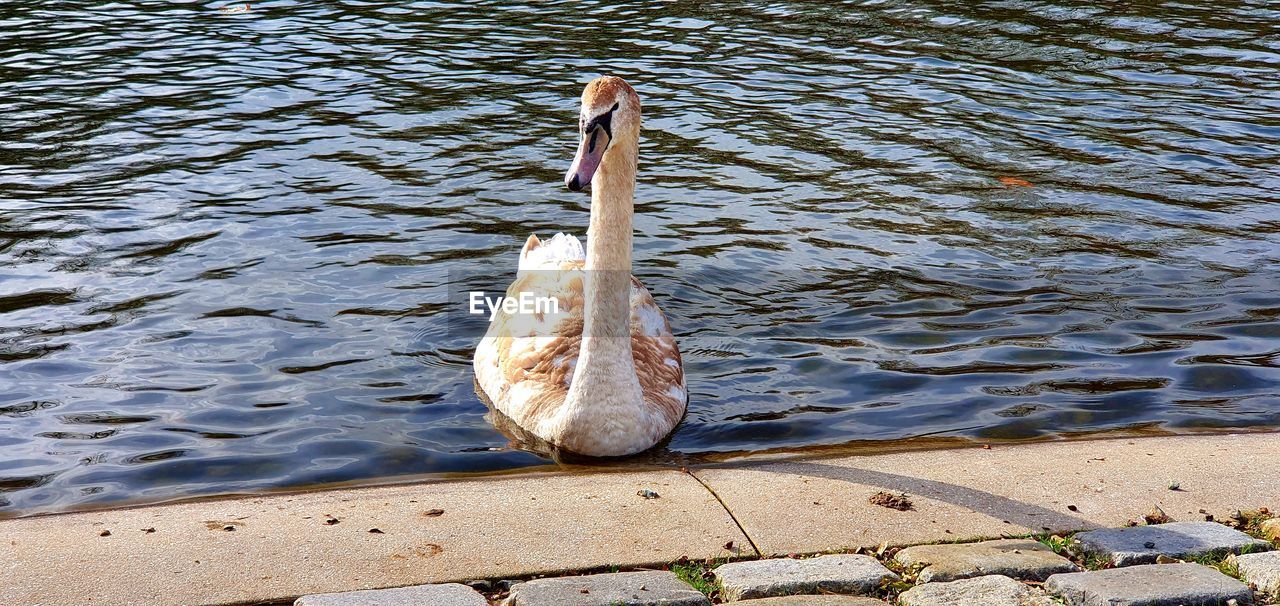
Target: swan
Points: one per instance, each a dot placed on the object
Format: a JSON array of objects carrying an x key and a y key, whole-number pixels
[{"x": 600, "y": 374}]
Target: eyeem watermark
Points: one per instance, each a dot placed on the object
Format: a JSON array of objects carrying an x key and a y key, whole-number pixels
[
  {"x": 524, "y": 303},
  {"x": 962, "y": 304}
]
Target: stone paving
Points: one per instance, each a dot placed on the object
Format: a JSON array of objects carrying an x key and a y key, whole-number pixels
[
  {"x": 848, "y": 574},
  {"x": 990, "y": 590},
  {"x": 550, "y": 522},
  {"x": 1003, "y": 572},
  {"x": 1145, "y": 544},
  {"x": 1271, "y": 529},
  {"x": 1261, "y": 569},
  {"x": 1022, "y": 559},
  {"x": 449, "y": 594},
  {"x": 1149, "y": 585},
  {"x": 629, "y": 588},
  {"x": 813, "y": 600}
]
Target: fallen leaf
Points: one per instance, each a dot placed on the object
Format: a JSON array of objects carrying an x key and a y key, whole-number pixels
[
  {"x": 105, "y": 533},
  {"x": 376, "y": 531},
  {"x": 1015, "y": 182},
  {"x": 899, "y": 502},
  {"x": 1157, "y": 516},
  {"x": 433, "y": 513}
]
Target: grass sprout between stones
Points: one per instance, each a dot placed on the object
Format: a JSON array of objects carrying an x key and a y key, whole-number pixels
[{"x": 700, "y": 575}]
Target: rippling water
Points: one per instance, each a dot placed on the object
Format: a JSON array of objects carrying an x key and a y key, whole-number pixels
[{"x": 227, "y": 240}]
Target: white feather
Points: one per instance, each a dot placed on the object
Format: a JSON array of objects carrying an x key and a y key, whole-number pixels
[
  {"x": 551, "y": 253},
  {"x": 652, "y": 323}
]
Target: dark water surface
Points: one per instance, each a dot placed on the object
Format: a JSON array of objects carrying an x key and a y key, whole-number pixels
[{"x": 227, "y": 240}]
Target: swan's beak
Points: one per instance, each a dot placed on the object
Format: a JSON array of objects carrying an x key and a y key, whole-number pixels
[{"x": 590, "y": 151}]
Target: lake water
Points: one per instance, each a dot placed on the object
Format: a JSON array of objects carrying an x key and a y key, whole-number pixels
[{"x": 230, "y": 241}]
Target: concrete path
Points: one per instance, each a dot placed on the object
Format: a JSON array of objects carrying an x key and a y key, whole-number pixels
[
  {"x": 806, "y": 506},
  {"x": 280, "y": 547},
  {"x": 286, "y": 546}
]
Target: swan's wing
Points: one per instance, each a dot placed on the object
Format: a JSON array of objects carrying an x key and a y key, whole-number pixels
[
  {"x": 525, "y": 361},
  {"x": 551, "y": 254},
  {"x": 658, "y": 363}
]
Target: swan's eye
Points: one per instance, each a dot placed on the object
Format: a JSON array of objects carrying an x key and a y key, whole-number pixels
[{"x": 604, "y": 121}]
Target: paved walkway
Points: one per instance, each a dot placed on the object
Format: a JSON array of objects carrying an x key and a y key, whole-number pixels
[{"x": 275, "y": 548}]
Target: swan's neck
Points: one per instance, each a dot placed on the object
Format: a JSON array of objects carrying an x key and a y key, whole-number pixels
[{"x": 605, "y": 379}]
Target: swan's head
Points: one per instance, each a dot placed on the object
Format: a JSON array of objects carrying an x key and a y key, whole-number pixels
[{"x": 610, "y": 120}]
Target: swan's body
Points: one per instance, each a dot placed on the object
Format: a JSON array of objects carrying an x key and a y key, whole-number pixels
[{"x": 602, "y": 376}]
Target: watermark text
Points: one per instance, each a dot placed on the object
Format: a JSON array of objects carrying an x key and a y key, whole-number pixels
[{"x": 524, "y": 303}]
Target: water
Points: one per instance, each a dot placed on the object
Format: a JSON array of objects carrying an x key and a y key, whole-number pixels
[{"x": 227, "y": 240}]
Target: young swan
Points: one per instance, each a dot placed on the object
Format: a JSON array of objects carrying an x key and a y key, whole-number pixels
[{"x": 600, "y": 376}]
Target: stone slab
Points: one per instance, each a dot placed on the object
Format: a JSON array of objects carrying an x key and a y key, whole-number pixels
[
  {"x": 808, "y": 505},
  {"x": 847, "y": 574},
  {"x": 1261, "y": 569},
  {"x": 283, "y": 545},
  {"x": 1149, "y": 585},
  {"x": 654, "y": 588},
  {"x": 1143, "y": 544},
  {"x": 449, "y": 594},
  {"x": 991, "y": 590},
  {"x": 1023, "y": 559},
  {"x": 813, "y": 600},
  {"x": 1271, "y": 529}
]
